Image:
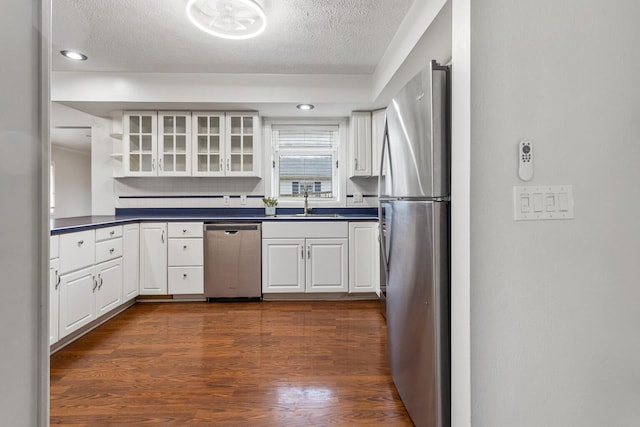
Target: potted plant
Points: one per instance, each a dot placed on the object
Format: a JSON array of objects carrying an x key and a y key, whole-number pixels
[{"x": 270, "y": 204}]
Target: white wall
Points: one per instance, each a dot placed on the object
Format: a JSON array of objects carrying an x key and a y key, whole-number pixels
[
  {"x": 460, "y": 214},
  {"x": 72, "y": 182},
  {"x": 555, "y": 304},
  {"x": 24, "y": 227}
]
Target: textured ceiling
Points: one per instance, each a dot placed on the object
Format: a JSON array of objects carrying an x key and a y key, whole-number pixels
[{"x": 302, "y": 37}]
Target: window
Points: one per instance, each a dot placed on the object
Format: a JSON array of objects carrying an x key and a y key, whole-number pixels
[
  {"x": 305, "y": 157},
  {"x": 297, "y": 187}
]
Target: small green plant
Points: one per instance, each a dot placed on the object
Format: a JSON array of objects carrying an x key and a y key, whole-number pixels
[{"x": 269, "y": 201}]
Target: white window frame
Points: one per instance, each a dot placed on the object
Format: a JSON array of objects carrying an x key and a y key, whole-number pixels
[{"x": 340, "y": 186}]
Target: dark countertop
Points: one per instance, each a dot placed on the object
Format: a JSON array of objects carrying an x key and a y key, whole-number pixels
[{"x": 128, "y": 216}]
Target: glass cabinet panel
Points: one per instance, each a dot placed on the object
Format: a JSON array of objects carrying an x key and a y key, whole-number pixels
[
  {"x": 208, "y": 131},
  {"x": 241, "y": 144},
  {"x": 175, "y": 147},
  {"x": 139, "y": 134}
]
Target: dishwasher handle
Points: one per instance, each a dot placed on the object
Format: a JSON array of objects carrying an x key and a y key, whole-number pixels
[{"x": 230, "y": 228}]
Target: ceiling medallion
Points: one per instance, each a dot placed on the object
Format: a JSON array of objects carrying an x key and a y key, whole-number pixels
[{"x": 229, "y": 19}]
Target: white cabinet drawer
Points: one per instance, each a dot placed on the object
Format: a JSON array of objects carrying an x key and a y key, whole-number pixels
[
  {"x": 184, "y": 252},
  {"x": 108, "y": 249},
  {"x": 186, "y": 229},
  {"x": 108, "y": 233},
  {"x": 76, "y": 250},
  {"x": 54, "y": 247},
  {"x": 305, "y": 229},
  {"x": 186, "y": 280}
]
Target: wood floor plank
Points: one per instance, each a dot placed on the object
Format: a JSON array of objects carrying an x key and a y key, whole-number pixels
[{"x": 264, "y": 364}]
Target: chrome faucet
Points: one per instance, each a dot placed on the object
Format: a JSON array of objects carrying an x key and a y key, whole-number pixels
[{"x": 306, "y": 201}]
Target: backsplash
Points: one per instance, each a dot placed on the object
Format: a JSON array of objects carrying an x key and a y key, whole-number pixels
[{"x": 195, "y": 192}]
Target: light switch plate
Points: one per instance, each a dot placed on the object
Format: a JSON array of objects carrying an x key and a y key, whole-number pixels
[
  {"x": 225, "y": 200},
  {"x": 357, "y": 198},
  {"x": 243, "y": 199},
  {"x": 543, "y": 202}
]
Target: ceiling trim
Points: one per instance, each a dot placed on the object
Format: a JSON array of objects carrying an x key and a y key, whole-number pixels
[
  {"x": 202, "y": 87},
  {"x": 419, "y": 18}
]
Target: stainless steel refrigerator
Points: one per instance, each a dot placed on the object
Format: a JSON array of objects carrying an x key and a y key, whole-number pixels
[{"x": 414, "y": 223}]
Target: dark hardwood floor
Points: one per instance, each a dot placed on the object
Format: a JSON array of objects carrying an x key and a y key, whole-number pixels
[{"x": 255, "y": 364}]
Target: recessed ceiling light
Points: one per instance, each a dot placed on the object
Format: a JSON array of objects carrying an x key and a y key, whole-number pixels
[
  {"x": 74, "y": 54},
  {"x": 229, "y": 19},
  {"x": 305, "y": 107}
]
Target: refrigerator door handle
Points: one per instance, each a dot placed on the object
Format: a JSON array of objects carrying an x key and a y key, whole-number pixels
[
  {"x": 385, "y": 153},
  {"x": 382, "y": 232}
]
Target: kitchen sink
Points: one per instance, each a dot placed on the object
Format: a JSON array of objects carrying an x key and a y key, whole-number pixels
[{"x": 311, "y": 215}]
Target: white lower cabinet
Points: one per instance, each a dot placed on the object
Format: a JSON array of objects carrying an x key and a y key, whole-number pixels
[
  {"x": 109, "y": 291},
  {"x": 327, "y": 265},
  {"x": 185, "y": 271},
  {"x": 186, "y": 280},
  {"x": 364, "y": 257},
  {"x": 54, "y": 298},
  {"x": 130, "y": 261},
  {"x": 77, "y": 300},
  {"x": 283, "y": 265},
  {"x": 89, "y": 293},
  {"x": 153, "y": 258},
  {"x": 304, "y": 257}
]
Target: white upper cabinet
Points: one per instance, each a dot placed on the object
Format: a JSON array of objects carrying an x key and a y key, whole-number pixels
[
  {"x": 208, "y": 139},
  {"x": 360, "y": 147},
  {"x": 365, "y": 148},
  {"x": 174, "y": 136},
  {"x": 180, "y": 143},
  {"x": 140, "y": 136},
  {"x": 242, "y": 144}
]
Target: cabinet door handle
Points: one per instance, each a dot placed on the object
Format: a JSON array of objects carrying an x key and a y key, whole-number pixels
[
  {"x": 95, "y": 284},
  {"x": 221, "y": 165},
  {"x": 100, "y": 282},
  {"x": 308, "y": 252},
  {"x": 57, "y": 280},
  {"x": 184, "y": 247},
  {"x": 160, "y": 164},
  {"x": 153, "y": 164},
  {"x": 162, "y": 237},
  {"x": 301, "y": 252},
  {"x": 355, "y": 164},
  {"x": 80, "y": 242},
  {"x": 228, "y": 164}
]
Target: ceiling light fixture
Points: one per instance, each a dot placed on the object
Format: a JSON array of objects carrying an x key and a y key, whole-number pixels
[
  {"x": 73, "y": 54},
  {"x": 305, "y": 107},
  {"x": 229, "y": 19}
]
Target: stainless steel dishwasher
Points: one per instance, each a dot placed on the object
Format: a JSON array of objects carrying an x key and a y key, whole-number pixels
[{"x": 232, "y": 261}]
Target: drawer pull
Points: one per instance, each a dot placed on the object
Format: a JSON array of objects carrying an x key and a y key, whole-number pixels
[
  {"x": 80, "y": 242},
  {"x": 184, "y": 275},
  {"x": 184, "y": 230},
  {"x": 112, "y": 232},
  {"x": 111, "y": 250},
  {"x": 184, "y": 247}
]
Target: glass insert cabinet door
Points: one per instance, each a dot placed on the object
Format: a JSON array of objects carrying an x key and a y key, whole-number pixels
[
  {"x": 140, "y": 147},
  {"x": 174, "y": 143},
  {"x": 208, "y": 136},
  {"x": 242, "y": 143}
]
